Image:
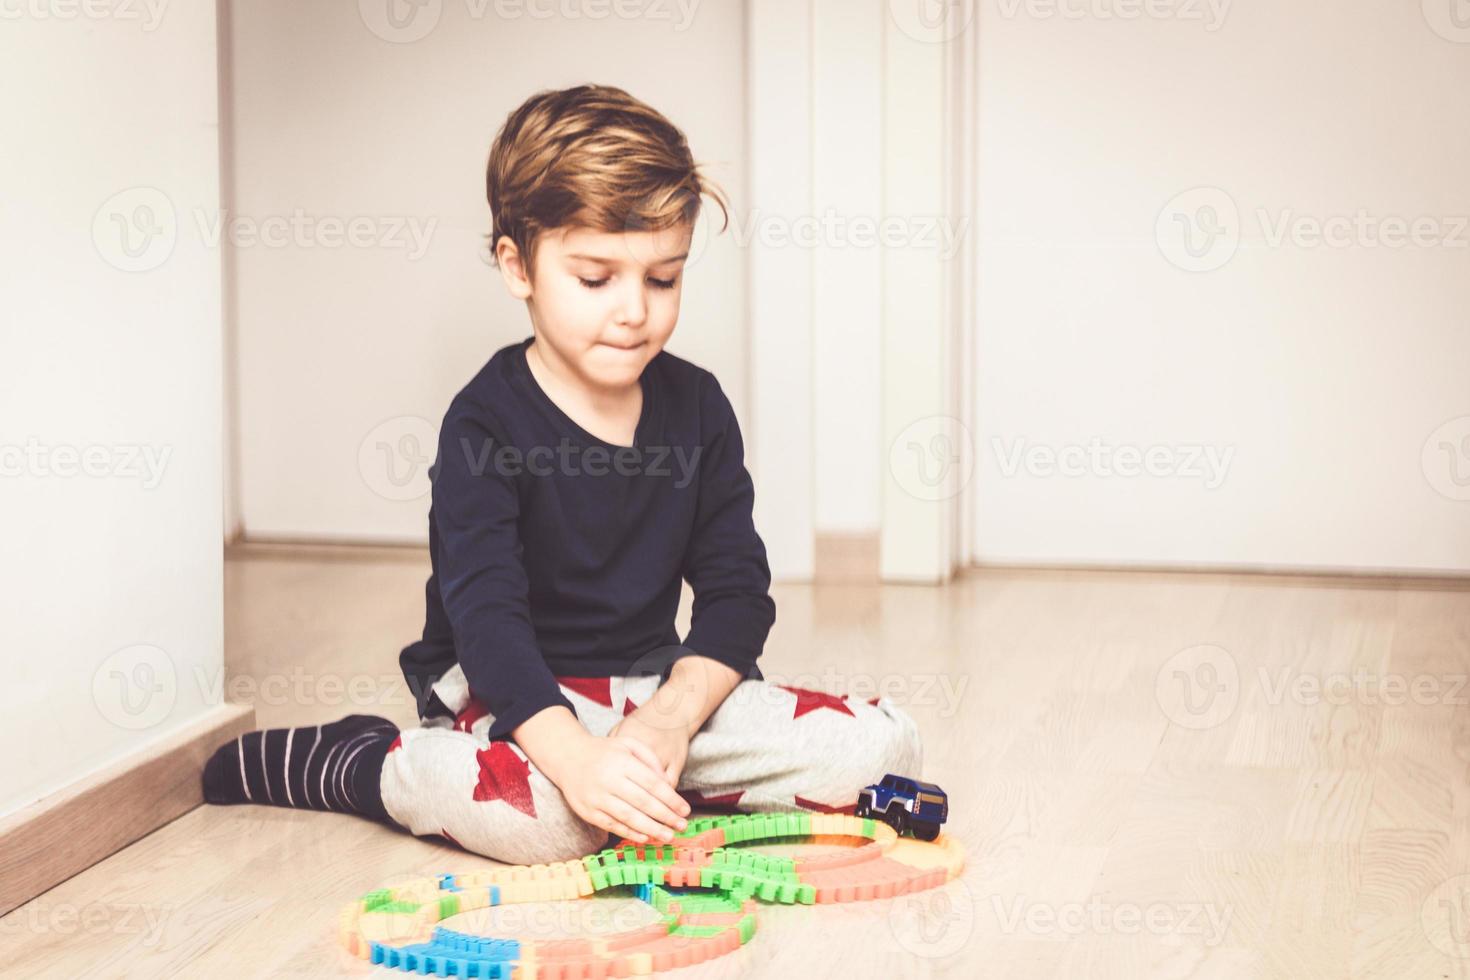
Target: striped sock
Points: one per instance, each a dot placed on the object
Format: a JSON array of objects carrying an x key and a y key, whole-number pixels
[{"x": 336, "y": 766}]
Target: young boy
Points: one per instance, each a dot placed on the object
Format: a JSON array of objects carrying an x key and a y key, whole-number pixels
[{"x": 580, "y": 476}]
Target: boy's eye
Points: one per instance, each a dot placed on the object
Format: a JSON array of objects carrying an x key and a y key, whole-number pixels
[{"x": 599, "y": 283}]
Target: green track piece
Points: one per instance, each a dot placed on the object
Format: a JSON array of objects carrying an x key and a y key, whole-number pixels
[
  {"x": 395, "y": 907},
  {"x": 373, "y": 899},
  {"x": 697, "y": 930}
]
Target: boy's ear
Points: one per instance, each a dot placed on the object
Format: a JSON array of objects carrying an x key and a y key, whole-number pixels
[{"x": 512, "y": 269}]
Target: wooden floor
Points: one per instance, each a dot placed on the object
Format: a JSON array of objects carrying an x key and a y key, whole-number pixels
[{"x": 1156, "y": 775}]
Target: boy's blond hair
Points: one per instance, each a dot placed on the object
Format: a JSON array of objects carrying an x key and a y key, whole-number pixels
[{"x": 594, "y": 157}]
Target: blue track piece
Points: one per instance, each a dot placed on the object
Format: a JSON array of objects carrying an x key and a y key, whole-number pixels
[{"x": 452, "y": 954}]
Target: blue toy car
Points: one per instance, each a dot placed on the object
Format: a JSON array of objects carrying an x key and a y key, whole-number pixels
[{"x": 905, "y": 804}]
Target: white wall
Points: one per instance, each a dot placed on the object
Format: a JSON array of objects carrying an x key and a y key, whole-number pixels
[
  {"x": 1327, "y": 372},
  {"x": 846, "y": 133},
  {"x": 110, "y": 446},
  {"x": 781, "y": 283},
  {"x": 350, "y": 353}
]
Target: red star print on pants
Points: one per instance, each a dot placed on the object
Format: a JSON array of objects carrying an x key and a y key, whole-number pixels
[
  {"x": 724, "y": 803},
  {"x": 806, "y": 804},
  {"x": 812, "y": 700},
  {"x": 504, "y": 776},
  {"x": 472, "y": 713},
  {"x": 597, "y": 689}
]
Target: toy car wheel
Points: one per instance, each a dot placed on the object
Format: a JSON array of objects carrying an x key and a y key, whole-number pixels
[
  {"x": 924, "y": 830},
  {"x": 893, "y": 816}
]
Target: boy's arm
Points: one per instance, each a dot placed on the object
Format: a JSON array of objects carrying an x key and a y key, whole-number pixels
[
  {"x": 725, "y": 565},
  {"x": 483, "y": 582},
  {"x": 696, "y": 686}
]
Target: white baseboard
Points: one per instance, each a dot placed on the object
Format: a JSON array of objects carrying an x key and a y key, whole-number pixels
[{"x": 43, "y": 844}]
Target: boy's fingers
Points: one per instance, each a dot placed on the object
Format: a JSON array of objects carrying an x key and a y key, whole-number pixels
[
  {"x": 657, "y": 808},
  {"x": 618, "y": 827},
  {"x": 645, "y": 754},
  {"x": 639, "y": 822},
  {"x": 657, "y": 783}
]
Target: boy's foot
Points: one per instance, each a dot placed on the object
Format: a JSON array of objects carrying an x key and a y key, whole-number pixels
[{"x": 336, "y": 766}]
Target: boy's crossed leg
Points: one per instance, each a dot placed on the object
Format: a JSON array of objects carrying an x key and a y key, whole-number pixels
[{"x": 766, "y": 747}]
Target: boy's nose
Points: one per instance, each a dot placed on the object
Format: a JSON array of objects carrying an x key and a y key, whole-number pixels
[{"x": 634, "y": 309}]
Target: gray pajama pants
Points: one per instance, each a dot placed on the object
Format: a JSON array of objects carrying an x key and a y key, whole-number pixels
[{"x": 767, "y": 747}]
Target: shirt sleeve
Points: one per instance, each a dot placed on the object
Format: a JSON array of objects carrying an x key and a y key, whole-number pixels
[
  {"x": 483, "y": 581},
  {"x": 725, "y": 562}
]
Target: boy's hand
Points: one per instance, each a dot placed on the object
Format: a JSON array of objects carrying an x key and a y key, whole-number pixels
[
  {"x": 669, "y": 743},
  {"x": 618, "y": 784}
]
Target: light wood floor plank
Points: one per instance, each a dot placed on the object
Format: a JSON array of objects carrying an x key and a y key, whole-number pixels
[{"x": 1146, "y": 778}]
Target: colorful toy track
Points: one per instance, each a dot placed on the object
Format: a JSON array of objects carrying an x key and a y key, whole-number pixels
[{"x": 703, "y": 887}]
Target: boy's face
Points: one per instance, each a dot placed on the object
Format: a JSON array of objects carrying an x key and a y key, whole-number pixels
[{"x": 604, "y": 302}]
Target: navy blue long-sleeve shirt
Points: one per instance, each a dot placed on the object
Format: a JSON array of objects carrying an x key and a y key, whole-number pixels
[{"x": 557, "y": 553}]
